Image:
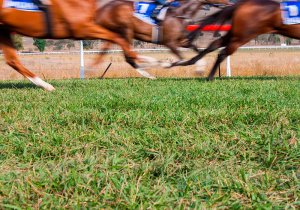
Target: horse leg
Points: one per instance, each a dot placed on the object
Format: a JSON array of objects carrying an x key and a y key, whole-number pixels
[
  {"x": 221, "y": 57},
  {"x": 195, "y": 48},
  {"x": 141, "y": 70},
  {"x": 132, "y": 58},
  {"x": 129, "y": 34},
  {"x": 12, "y": 60},
  {"x": 103, "y": 52},
  {"x": 230, "y": 48},
  {"x": 221, "y": 42},
  {"x": 129, "y": 60},
  {"x": 174, "y": 49},
  {"x": 102, "y": 33}
]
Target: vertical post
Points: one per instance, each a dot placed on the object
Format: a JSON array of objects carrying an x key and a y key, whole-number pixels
[
  {"x": 81, "y": 60},
  {"x": 228, "y": 67}
]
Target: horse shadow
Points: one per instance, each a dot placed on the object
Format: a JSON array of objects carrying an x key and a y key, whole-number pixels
[
  {"x": 27, "y": 85},
  {"x": 16, "y": 85}
]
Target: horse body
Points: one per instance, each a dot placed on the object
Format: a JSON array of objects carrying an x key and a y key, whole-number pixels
[
  {"x": 20, "y": 21},
  {"x": 124, "y": 22},
  {"x": 173, "y": 28},
  {"x": 33, "y": 23},
  {"x": 70, "y": 19},
  {"x": 249, "y": 19}
]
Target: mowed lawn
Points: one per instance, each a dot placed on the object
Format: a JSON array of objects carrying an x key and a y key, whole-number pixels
[{"x": 138, "y": 144}]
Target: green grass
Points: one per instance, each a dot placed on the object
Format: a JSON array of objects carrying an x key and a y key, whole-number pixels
[{"x": 138, "y": 144}]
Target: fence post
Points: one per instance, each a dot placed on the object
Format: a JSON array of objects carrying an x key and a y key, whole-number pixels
[
  {"x": 228, "y": 67},
  {"x": 81, "y": 60}
]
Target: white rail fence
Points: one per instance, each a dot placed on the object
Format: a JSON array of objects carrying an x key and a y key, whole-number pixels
[
  {"x": 83, "y": 52},
  {"x": 295, "y": 47}
]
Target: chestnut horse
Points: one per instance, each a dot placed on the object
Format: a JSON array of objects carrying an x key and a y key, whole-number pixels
[
  {"x": 118, "y": 16},
  {"x": 69, "y": 19},
  {"x": 249, "y": 19}
]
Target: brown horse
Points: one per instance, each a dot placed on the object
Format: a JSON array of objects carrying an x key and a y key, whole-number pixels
[
  {"x": 69, "y": 19},
  {"x": 119, "y": 17},
  {"x": 249, "y": 19}
]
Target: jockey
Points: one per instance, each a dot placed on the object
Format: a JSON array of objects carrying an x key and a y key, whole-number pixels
[{"x": 160, "y": 4}]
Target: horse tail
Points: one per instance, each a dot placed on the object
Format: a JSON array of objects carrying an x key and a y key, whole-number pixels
[{"x": 221, "y": 17}]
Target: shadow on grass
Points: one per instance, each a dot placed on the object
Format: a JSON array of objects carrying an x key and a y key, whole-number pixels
[
  {"x": 57, "y": 84},
  {"x": 17, "y": 85}
]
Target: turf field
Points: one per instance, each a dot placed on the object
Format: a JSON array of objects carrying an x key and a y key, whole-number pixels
[{"x": 163, "y": 144}]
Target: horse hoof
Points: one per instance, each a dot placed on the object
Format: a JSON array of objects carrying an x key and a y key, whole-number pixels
[
  {"x": 49, "y": 88},
  {"x": 210, "y": 79},
  {"x": 151, "y": 62},
  {"x": 152, "y": 78},
  {"x": 200, "y": 66},
  {"x": 41, "y": 83},
  {"x": 145, "y": 74},
  {"x": 166, "y": 65}
]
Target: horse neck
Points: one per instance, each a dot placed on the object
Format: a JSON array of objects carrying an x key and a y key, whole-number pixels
[{"x": 189, "y": 9}]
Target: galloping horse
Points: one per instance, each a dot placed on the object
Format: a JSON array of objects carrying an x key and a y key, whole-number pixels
[
  {"x": 69, "y": 19},
  {"x": 119, "y": 16},
  {"x": 249, "y": 19}
]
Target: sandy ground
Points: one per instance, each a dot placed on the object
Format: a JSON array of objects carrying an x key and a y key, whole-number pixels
[{"x": 243, "y": 63}]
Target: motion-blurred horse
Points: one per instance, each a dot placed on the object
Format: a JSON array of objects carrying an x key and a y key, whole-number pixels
[
  {"x": 127, "y": 19},
  {"x": 66, "y": 19},
  {"x": 249, "y": 18}
]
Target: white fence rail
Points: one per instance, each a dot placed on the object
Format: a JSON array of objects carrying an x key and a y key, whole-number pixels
[{"x": 296, "y": 47}]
